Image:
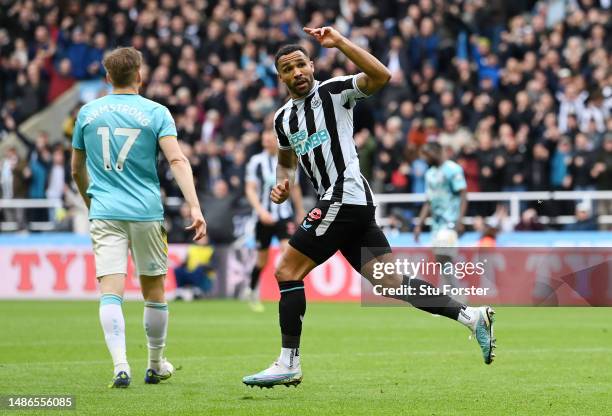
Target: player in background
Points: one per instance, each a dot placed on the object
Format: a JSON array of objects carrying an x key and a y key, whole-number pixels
[
  {"x": 446, "y": 201},
  {"x": 272, "y": 219},
  {"x": 316, "y": 127},
  {"x": 115, "y": 143}
]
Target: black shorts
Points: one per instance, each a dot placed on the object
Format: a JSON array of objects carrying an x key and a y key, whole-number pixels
[
  {"x": 330, "y": 227},
  {"x": 282, "y": 229}
]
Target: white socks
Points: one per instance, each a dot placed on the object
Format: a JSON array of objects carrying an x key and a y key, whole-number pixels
[
  {"x": 468, "y": 316},
  {"x": 113, "y": 325},
  {"x": 156, "y": 325},
  {"x": 290, "y": 357}
]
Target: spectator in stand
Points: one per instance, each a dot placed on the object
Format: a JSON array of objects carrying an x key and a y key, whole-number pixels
[
  {"x": 32, "y": 90},
  {"x": 582, "y": 164},
  {"x": 571, "y": 104},
  {"x": 219, "y": 207},
  {"x": 602, "y": 172},
  {"x": 453, "y": 135},
  {"x": 529, "y": 221},
  {"x": 416, "y": 135},
  {"x": 189, "y": 125},
  {"x": 39, "y": 160},
  {"x": 366, "y": 150},
  {"x": 596, "y": 113},
  {"x": 507, "y": 115},
  {"x": 195, "y": 277},
  {"x": 424, "y": 47},
  {"x": 176, "y": 226},
  {"x": 95, "y": 54},
  {"x": 61, "y": 79},
  {"x": 584, "y": 219},
  {"x": 468, "y": 160},
  {"x": 76, "y": 50},
  {"x": 512, "y": 161},
  {"x": 13, "y": 179},
  {"x": 417, "y": 177},
  {"x": 234, "y": 165},
  {"x": 387, "y": 161},
  {"x": 488, "y": 162},
  {"x": 396, "y": 58},
  {"x": 58, "y": 177},
  {"x": 501, "y": 219},
  {"x": 560, "y": 177},
  {"x": 538, "y": 177}
]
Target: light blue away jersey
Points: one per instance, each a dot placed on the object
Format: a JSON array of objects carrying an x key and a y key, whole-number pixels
[
  {"x": 120, "y": 133},
  {"x": 442, "y": 187}
]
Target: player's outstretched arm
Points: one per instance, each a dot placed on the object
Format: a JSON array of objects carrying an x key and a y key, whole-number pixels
[
  {"x": 181, "y": 170},
  {"x": 375, "y": 74},
  {"x": 285, "y": 176},
  {"x": 79, "y": 173}
]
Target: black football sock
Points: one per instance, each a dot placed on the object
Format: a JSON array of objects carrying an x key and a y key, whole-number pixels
[
  {"x": 255, "y": 277},
  {"x": 291, "y": 310},
  {"x": 436, "y": 304}
]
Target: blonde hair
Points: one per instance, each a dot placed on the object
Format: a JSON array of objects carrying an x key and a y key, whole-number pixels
[{"x": 122, "y": 65}]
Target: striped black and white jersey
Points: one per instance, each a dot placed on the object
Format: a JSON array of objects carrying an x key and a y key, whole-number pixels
[
  {"x": 261, "y": 169},
  {"x": 319, "y": 129}
]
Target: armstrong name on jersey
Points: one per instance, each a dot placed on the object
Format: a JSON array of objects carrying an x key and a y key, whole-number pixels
[{"x": 127, "y": 110}]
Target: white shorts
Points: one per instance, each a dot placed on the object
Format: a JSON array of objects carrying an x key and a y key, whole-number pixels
[
  {"x": 147, "y": 240},
  {"x": 445, "y": 242}
]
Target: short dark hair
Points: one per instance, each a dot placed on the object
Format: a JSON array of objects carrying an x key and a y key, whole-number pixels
[{"x": 287, "y": 49}]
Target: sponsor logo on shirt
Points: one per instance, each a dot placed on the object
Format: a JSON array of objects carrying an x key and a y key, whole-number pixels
[{"x": 302, "y": 143}]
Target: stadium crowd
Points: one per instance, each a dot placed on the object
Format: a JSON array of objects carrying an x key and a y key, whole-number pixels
[{"x": 519, "y": 92}]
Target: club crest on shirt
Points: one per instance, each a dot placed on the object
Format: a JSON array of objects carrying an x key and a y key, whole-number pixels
[{"x": 316, "y": 102}]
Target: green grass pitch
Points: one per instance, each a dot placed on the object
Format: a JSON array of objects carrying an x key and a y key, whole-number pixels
[{"x": 356, "y": 361}]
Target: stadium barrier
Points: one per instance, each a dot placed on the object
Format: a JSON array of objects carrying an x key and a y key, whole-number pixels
[
  {"x": 513, "y": 199},
  {"x": 61, "y": 266}
]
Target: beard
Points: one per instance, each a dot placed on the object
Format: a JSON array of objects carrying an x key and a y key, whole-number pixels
[{"x": 301, "y": 89}]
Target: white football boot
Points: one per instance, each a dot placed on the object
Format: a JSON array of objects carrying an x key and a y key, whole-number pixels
[{"x": 277, "y": 374}]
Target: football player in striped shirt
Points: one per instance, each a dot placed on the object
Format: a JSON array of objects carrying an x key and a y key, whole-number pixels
[
  {"x": 315, "y": 128},
  {"x": 273, "y": 220}
]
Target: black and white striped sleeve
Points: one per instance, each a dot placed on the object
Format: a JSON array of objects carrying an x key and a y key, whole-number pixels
[
  {"x": 279, "y": 129},
  {"x": 353, "y": 94},
  {"x": 347, "y": 87},
  {"x": 251, "y": 171}
]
